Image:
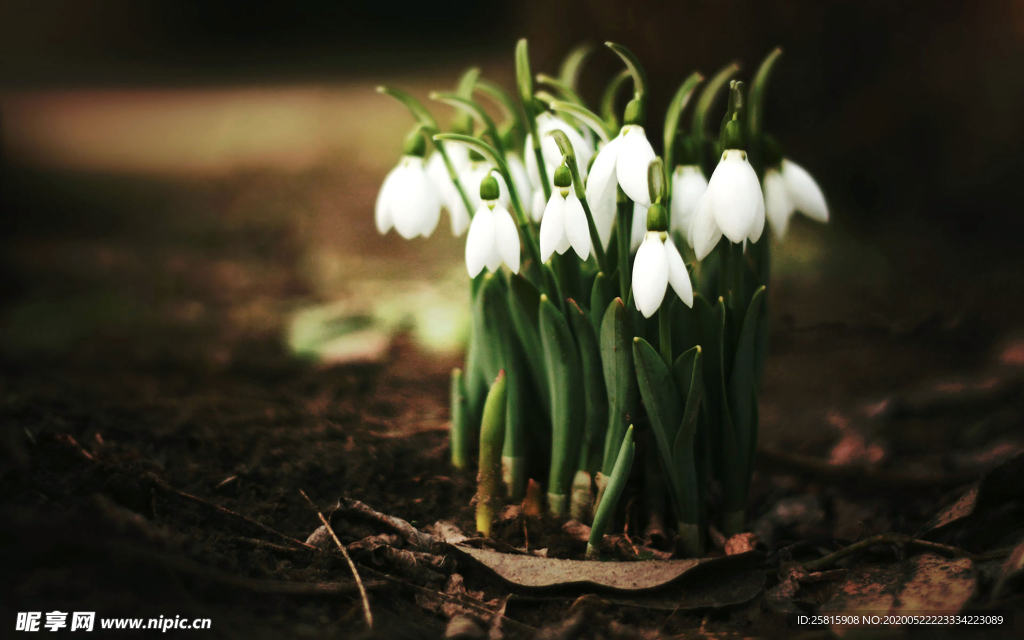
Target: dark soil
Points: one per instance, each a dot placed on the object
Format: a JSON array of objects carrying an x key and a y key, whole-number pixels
[{"x": 144, "y": 359}]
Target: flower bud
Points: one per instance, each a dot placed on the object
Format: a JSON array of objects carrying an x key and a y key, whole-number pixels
[
  {"x": 657, "y": 217},
  {"x": 563, "y": 178}
]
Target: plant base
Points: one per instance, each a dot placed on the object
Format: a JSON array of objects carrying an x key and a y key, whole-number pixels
[{"x": 733, "y": 522}]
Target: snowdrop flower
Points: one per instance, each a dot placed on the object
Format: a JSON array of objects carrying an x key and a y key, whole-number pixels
[
  {"x": 451, "y": 199},
  {"x": 688, "y": 187},
  {"x": 788, "y": 188},
  {"x": 408, "y": 199},
  {"x": 622, "y": 162},
  {"x": 547, "y": 122},
  {"x": 564, "y": 223},
  {"x": 520, "y": 178},
  {"x": 639, "y": 231},
  {"x": 732, "y": 205},
  {"x": 658, "y": 265},
  {"x": 538, "y": 205},
  {"x": 475, "y": 172},
  {"x": 493, "y": 236}
]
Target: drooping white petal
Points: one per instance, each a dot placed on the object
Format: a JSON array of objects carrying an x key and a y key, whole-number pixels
[
  {"x": 688, "y": 186},
  {"x": 777, "y": 206},
  {"x": 458, "y": 154},
  {"x": 415, "y": 207},
  {"x": 519, "y": 178},
  {"x": 448, "y": 193},
  {"x": 382, "y": 210},
  {"x": 678, "y": 277},
  {"x": 530, "y": 160},
  {"x": 480, "y": 241},
  {"x": 639, "y": 226},
  {"x": 552, "y": 227},
  {"x": 758, "y": 226},
  {"x": 650, "y": 274},
  {"x": 601, "y": 189},
  {"x": 804, "y": 192},
  {"x": 577, "y": 230},
  {"x": 538, "y": 205},
  {"x": 734, "y": 195},
  {"x": 458, "y": 214},
  {"x": 506, "y": 239},
  {"x": 631, "y": 166},
  {"x": 704, "y": 232}
]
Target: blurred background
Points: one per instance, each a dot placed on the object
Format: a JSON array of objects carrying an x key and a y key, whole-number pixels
[{"x": 209, "y": 168}]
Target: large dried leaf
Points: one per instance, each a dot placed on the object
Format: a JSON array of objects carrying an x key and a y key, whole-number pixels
[{"x": 532, "y": 572}]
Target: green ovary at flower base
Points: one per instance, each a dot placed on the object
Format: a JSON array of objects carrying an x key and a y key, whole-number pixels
[{"x": 572, "y": 250}]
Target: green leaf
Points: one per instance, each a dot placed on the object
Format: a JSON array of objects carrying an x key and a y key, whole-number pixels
[
  {"x": 661, "y": 399},
  {"x": 742, "y": 391},
  {"x": 492, "y": 434},
  {"x": 685, "y": 331},
  {"x": 524, "y": 80},
  {"x": 593, "y": 384},
  {"x": 755, "y": 108},
  {"x": 460, "y": 431},
  {"x": 612, "y": 492},
  {"x": 524, "y": 304},
  {"x": 689, "y": 378},
  {"x": 495, "y": 327},
  {"x": 619, "y": 376},
  {"x": 675, "y": 110},
  {"x": 463, "y": 123},
  {"x": 601, "y": 295},
  {"x": 562, "y": 362},
  {"x": 635, "y": 69}
]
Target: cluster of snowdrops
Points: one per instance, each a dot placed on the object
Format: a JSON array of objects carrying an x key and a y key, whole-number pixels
[{"x": 649, "y": 336}]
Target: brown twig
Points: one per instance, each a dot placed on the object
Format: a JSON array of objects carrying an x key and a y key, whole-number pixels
[
  {"x": 161, "y": 484},
  {"x": 411, "y": 534},
  {"x": 348, "y": 559},
  {"x": 860, "y": 474},
  {"x": 901, "y": 539}
]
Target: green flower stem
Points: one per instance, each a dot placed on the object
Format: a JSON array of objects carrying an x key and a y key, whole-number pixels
[
  {"x": 459, "y": 435},
  {"x": 570, "y": 69},
  {"x": 524, "y": 82},
  {"x": 492, "y": 435},
  {"x": 476, "y": 111},
  {"x": 562, "y": 88},
  {"x": 611, "y": 94},
  {"x": 636, "y": 70},
  {"x": 698, "y": 129},
  {"x": 454, "y": 175},
  {"x": 569, "y": 157},
  {"x": 672, "y": 117},
  {"x": 624, "y": 233},
  {"x": 510, "y": 109}
]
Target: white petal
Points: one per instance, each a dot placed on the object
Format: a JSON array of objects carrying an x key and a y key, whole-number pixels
[
  {"x": 601, "y": 189},
  {"x": 506, "y": 238},
  {"x": 758, "y": 226},
  {"x": 734, "y": 196},
  {"x": 414, "y": 199},
  {"x": 480, "y": 241},
  {"x": 530, "y": 159},
  {"x": 804, "y": 192},
  {"x": 546, "y": 123},
  {"x": 688, "y": 186},
  {"x": 552, "y": 226},
  {"x": 704, "y": 232},
  {"x": 519, "y": 178},
  {"x": 538, "y": 205},
  {"x": 475, "y": 175},
  {"x": 576, "y": 228},
  {"x": 678, "y": 277},
  {"x": 639, "y": 226},
  {"x": 458, "y": 154},
  {"x": 650, "y": 274},
  {"x": 777, "y": 206},
  {"x": 382, "y": 210},
  {"x": 631, "y": 166},
  {"x": 458, "y": 214}
]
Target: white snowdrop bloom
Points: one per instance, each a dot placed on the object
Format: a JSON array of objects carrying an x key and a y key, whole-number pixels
[
  {"x": 449, "y": 194},
  {"x": 623, "y": 162},
  {"x": 408, "y": 200},
  {"x": 688, "y": 186},
  {"x": 657, "y": 265},
  {"x": 732, "y": 205},
  {"x": 547, "y": 122},
  {"x": 639, "y": 226},
  {"x": 493, "y": 236},
  {"x": 471, "y": 177},
  {"x": 789, "y": 189},
  {"x": 538, "y": 205},
  {"x": 564, "y": 224}
]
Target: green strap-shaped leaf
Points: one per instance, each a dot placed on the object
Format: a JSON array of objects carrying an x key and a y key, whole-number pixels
[
  {"x": 661, "y": 399},
  {"x": 742, "y": 392},
  {"x": 459, "y": 434},
  {"x": 584, "y": 115},
  {"x": 569, "y": 72},
  {"x": 562, "y": 362},
  {"x": 524, "y": 304},
  {"x": 419, "y": 112},
  {"x": 602, "y": 292},
  {"x": 463, "y": 121},
  {"x": 492, "y": 434},
  {"x": 689, "y": 377},
  {"x": 593, "y": 384},
  {"x": 612, "y": 491},
  {"x": 675, "y": 110},
  {"x": 685, "y": 330},
  {"x": 619, "y": 377},
  {"x": 471, "y": 107}
]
